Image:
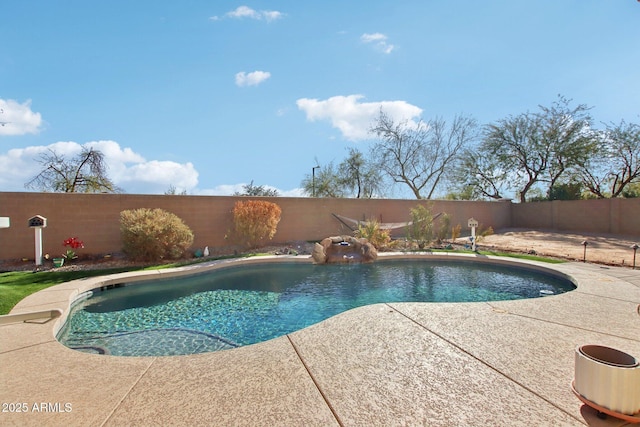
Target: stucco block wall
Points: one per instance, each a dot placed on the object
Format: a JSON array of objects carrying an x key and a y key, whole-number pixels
[
  {"x": 95, "y": 218},
  {"x": 610, "y": 216}
]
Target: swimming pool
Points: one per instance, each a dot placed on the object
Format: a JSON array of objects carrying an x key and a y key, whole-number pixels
[{"x": 241, "y": 305}]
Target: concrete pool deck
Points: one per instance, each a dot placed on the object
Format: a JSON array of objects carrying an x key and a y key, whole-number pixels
[{"x": 441, "y": 364}]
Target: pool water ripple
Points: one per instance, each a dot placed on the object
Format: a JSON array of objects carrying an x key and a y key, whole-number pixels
[{"x": 248, "y": 304}]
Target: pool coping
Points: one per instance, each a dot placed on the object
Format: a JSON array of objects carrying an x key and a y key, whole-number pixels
[{"x": 368, "y": 365}]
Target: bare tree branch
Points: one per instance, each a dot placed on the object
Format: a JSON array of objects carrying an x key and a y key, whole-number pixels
[
  {"x": 85, "y": 173},
  {"x": 420, "y": 155}
]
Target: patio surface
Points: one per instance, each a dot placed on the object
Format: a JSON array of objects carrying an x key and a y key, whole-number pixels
[{"x": 504, "y": 363}]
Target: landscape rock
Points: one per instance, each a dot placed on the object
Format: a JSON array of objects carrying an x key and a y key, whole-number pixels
[{"x": 344, "y": 249}]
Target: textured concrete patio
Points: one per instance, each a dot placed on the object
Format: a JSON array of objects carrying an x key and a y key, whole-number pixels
[{"x": 441, "y": 364}]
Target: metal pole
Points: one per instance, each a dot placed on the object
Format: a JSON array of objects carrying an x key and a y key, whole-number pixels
[
  {"x": 584, "y": 255},
  {"x": 635, "y": 248},
  {"x": 38, "y": 233},
  {"x": 313, "y": 180}
]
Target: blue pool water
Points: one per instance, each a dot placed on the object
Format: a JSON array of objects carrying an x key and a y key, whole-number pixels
[{"x": 244, "y": 305}]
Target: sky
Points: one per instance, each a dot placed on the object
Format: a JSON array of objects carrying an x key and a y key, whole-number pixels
[{"x": 208, "y": 96}]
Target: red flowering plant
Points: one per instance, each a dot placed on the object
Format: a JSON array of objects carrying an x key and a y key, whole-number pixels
[{"x": 72, "y": 243}]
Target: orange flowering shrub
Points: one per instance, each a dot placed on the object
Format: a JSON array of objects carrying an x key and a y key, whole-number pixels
[{"x": 255, "y": 221}]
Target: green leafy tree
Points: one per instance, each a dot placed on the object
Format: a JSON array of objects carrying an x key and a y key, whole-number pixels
[
  {"x": 530, "y": 149},
  {"x": 520, "y": 151},
  {"x": 359, "y": 176},
  {"x": 617, "y": 163},
  {"x": 84, "y": 173},
  {"x": 566, "y": 191},
  {"x": 325, "y": 182},
  {"x": 572, "y": 143},
  {"x": 632, "y": 190},
  {"x": 256, "y": 191},
  {"x": 478, "y": 175},
  {"x": 356, "y": 176}
]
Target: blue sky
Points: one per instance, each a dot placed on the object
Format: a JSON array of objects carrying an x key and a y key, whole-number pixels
[{"x": 207, "y": 96}]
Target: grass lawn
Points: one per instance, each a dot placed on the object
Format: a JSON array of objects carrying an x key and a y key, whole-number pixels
[
  {"x": 505, "y": 254},
  {"x": 14, "y": 286},
  {"x": 524, "y": 256}
]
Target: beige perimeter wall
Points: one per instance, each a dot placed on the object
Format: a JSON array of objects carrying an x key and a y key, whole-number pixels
[
  {"x": 94, "y": 218},
  {"x": 610, "y": 216}
]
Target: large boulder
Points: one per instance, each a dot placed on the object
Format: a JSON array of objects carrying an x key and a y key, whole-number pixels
[
  {"x": 318, "y": 255},
  {"x": 343, "y": 249}
]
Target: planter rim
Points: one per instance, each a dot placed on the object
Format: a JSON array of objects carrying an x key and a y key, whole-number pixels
[{"x": 623, "y": 360}]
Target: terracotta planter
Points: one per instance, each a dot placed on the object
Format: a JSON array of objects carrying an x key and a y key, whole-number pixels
[{"x": 608, "y": 377}]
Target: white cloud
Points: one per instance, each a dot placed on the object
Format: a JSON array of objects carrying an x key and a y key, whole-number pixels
[
  {"x": 18, "y": 119},
  {"x": 296, "y": 192},
  {"x": 246, "y": 12},
  {"x": 352, "y": 117},
  {"x": 271, "y": 15},
  {"x": 221, "y": 190},
  {"x": 375, "y": 37},
  {"x": 378, "y": 40},
  {"x": 113, "y": 152},
  {"x": 230, "y": 189},
  {"x": 126, "y": 168},
  {"x": 157, "y": 176},
  {"x": 251, "y": 79}
]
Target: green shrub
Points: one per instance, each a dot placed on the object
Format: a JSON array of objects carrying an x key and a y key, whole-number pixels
[
  {"x": 424, "y": 228},
  {"x": 483, "y": 232},
  {"x": 455, "y": 232},
  {"x": 421, "y": 229},
  {"x": 153, "y": 234},
  {"x": 255, "y": 221},
  {"x": 445, "y": 225},
  {"x": 371, "y": 231}
]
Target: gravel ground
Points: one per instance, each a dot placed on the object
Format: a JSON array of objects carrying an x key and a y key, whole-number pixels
[{"x": 601, "y": 248}]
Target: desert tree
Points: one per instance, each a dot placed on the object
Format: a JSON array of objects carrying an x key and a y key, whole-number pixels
[
  {"x": 358, "y": 176},
  {"x": 519, "y": 149},
  {"x": 256, "y": 191},
  {"x": 84, "y": 173},
  {"x": 324, "y": 183},
  {"x": 173, "y": 191},
  {"x": 571, "y": 141},
  {"x": 632, "y": 190},
  {"x": 531, "y": 150},
  {"x": 478, "y": 175},
  {"x": 355, "y": 176},
  {"x": 420, "y": 155},
  {"x": 617, "y": 163}
]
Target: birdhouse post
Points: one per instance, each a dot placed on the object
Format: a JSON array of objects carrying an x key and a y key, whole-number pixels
[
  {"x": 473, "y": 223},
  {"x": 38, "y": 222},
  {"x": 4, "y": 222}
]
